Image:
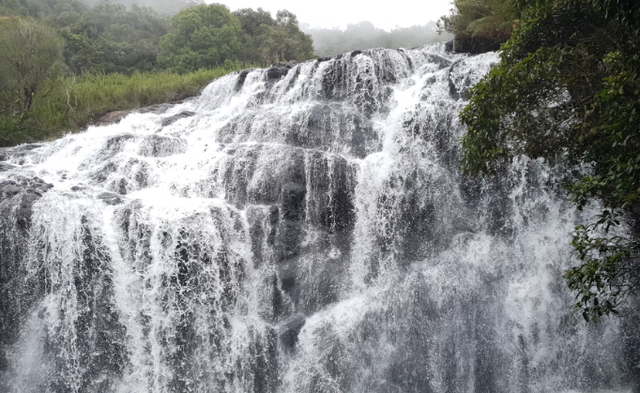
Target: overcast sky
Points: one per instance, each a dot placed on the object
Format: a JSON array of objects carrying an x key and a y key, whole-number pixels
[{"x": 385, "y": 14}]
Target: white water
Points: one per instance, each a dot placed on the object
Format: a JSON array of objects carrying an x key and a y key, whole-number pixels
[{"x": 308, "y": 234}]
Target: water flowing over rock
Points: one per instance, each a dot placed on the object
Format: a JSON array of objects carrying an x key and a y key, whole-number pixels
[{"x": 298, "y": 229}]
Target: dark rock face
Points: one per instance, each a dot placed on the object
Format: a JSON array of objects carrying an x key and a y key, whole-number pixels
[
  {"x": 17, "y": 197},
  {"x": 314, "y": 128},
  {"x": 449, "y": 46},
  {"x": 161, "y": 146},
  {"x": 289, "y": 329},
  {"x": 4, "y": 155},
  {"x": 172, "y": 119},
  {"x": 475, "y": 45},
  {"x": 22, "y": 185},
  {"x": 277, "y": 71},
  {"x": 115, "y": 145},
  {"x": 110, "y": 198},
  {"x": 242, "y": 76}
]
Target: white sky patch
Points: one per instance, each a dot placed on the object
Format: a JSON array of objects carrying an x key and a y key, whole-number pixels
[{"x": 339, "y": 13}]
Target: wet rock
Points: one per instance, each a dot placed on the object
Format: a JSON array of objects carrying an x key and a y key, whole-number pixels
[
  {"x": 277, "y": 71},
  {"x": 9, "y": 190},
  {"x": 448, "y": 46},
  {"x": 266, "y": 363},
  {"x": 289, "y": 330},
  {"x": 293, "y": 196},
  {"x": 162, "y": 146},
  {"x": 355, "y": 53},
  {"x": 17, "y": 197},
  {"x": 19, "y": 151},
  {"x": 321, "y": 59},
  {"x": 459, "y": 82},
  {"x": 27, "y": 147},
  {"x": 110, "y": 198},
  {"x": 439, "y": 60},
  {"x": 172, "y": 119},
  {"x": 5, "y": 167},
  {"x": 462, "y": 75},
  {"x": 242, "y": 76},
  {"x": 157, "y": 109},
  {"x": 4, "y": 154},
  {"x": 13, "y": 187},
  {"x": 114, "y": 145}
]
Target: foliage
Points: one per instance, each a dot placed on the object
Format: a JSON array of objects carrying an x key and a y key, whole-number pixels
[
  {"x": 165, "y": 7},
  {"x": 42, "y": 84},
  {"x": 106, "y": 38},
  {"x": 29, "y": 52},
  {"x": 479, "y": 25},
  {"x": 77, "y": 101},
  {"x": 364, "y": 35},
  {"x": 272, "y": 40},
  {"x": 203, "y": 36},
  {"x": 110, "y": 38},
  {"x": 209, "y": 35},
  {"x": 103, "y": 36},
  {"x": 568, "y": 87}
]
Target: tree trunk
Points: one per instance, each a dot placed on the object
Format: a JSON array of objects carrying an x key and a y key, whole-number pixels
[{"x": 29, "y": 92}]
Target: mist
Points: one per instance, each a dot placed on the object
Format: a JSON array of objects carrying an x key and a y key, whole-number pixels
[
  {"x": 326, "y": 41},
  {"x": 365, "y": 35},
  {"x": 166, "y": 7}
]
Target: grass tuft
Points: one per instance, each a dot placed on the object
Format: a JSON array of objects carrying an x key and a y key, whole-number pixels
[{"x": 72, "y": 103}]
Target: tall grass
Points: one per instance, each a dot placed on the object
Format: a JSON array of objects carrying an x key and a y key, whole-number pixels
[{"x": 74, "y": 102}]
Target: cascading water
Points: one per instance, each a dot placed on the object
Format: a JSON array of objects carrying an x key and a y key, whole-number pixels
[{"x": 294, "y": 230}]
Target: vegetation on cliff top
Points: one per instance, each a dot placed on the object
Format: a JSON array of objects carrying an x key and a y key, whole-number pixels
[
  {"x": 64, "y": 63},
  {"x": 480, "y": 25},
  {"x": 72, "y": 103}
]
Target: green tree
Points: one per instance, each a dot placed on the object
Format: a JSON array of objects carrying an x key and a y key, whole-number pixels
[
  {"x": 30, "y": 50},
  {"x": 568, "y": 88},
  {"x": 252, "y": 20},
  {"x": 272, "y": 40},
  {"x": 479, "y": 25},
  {"x": 109, "y": 38},
  {"x": 203, "y": 36}
]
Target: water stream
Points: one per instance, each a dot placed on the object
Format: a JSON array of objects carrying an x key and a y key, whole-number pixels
[{"x": 295, "y": 230}]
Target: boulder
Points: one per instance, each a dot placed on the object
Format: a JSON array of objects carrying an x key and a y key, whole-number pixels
[
  {"x": 448, "y": 46},
  {"x": 172, "y": 119},
  {"x": 4, "y": 154},
  {"x": 289, "y": 330},
  {"x": 277, "y": 71},
  {"x": 5, "y": 167},
  {"x": 110, "y": 198},
  {"x": 12, "y": 187},
  {"x": 242, "y": 76}
]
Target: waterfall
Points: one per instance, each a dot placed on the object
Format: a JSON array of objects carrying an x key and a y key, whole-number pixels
[{"x": 295, "y": 230}]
